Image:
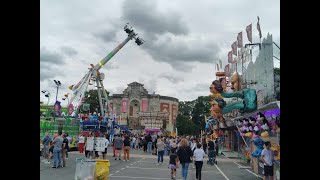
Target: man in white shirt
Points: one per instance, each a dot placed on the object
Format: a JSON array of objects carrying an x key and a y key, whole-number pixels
[
  {"x": 267, "y": 157},
  {"x": 198, "y": 155}
]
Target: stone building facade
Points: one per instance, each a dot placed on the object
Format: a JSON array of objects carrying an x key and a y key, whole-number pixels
[{"x": 137, "y": 109}]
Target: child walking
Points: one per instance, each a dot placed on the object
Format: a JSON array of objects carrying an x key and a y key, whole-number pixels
[
  {"x": 198, "y": 156},
  {"x": 173, "y": 164}
]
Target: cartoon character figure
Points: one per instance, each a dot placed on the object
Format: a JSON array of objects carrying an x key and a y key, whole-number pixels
[
  {"x": 265, "y": 125},
  {"x": 217, "y": 104},
  {"x": 259, "y": 147},
  {"x": 256, "y": 126},
  {"x": 57, "y": 109}
]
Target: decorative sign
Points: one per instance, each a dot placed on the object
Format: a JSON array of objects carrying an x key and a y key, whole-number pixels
[
  {"x": 124, "y": 105},
  {"x": 144, "y": 105},
  {"x": 174, "y": 113}
]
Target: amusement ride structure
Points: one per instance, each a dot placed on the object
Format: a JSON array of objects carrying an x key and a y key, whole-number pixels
[{"x": 94, "y": 74}]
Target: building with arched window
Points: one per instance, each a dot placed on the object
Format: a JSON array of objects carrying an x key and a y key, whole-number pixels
[{"x": 138, "y": 110}]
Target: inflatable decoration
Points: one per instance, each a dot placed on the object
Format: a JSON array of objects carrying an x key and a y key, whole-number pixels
[
  {"x": 259, "y": 147},
  {"x": 218, "y": 105},
  {"x": 248, "y": 96}
]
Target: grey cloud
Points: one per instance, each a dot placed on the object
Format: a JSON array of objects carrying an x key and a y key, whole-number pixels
[
  {"x": 156, "y": 25},
  {"x": 171, "y": 78},
  {"x": 48, "y": 64},
  {"x": 150, "y": 85},
  {"x": 202, "y": 87},
  {"x": 106, "y": 35},
  {"x": 47, "y": 56},
  {"x": 146, "y": 16},
  {"x": 111, "y": 65},
  {"x": 69, "y": 51}
]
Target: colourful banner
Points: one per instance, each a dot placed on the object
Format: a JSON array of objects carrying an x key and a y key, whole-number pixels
[
  {"x": 111, "y": 108},
  {"x": 164, "y": 107},
  {"x": 124, "y": 105},
  {"x": 144, "y": 105},
  {"x": 174, "y": 113}
]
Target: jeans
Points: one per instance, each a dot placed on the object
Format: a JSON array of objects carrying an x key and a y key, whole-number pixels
[
  {"x": 56, "y": 157},
  {"x": 198, "y": 169},
  {"x": 149, "y": 146},
  {"x": 160, "y": 156},
  {"x": 184, "y": 171},
  {"x": 211, "y": 155}
]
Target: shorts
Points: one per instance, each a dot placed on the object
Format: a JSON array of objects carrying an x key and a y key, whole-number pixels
[
  {"x": 268, "y": 170},
  {"x": 119, "y": 149},
  {"x": 105, "y": 151},
  {"x": 172, "y": 167}
]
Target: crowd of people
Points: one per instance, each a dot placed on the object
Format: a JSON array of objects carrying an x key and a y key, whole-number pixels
[{"x": 181, "y": 150}]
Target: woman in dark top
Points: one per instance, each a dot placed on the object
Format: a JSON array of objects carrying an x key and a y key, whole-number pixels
[
  {"x": 126, "y": 150},
  {"x": 211, "y": 153},
  {"x": 184, "y": 154}
]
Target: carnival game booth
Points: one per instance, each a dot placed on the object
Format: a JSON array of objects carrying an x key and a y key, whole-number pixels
[{"x": 255, "y": 129}]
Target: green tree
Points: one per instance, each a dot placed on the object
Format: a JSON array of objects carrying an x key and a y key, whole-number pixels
[
  {"x": 185, "y": 126},
  {"x": 200, "y": 110},
  {"x": 91, "y": 97}
]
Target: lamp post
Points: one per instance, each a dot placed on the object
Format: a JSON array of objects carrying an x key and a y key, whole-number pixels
[
  {"x": 58, "y": 83},
  {"x": 47, "y": 94}
]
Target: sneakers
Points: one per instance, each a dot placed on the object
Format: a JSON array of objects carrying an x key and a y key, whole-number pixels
[
  {"x": 47, "y": 162},
  {"x": 124, "y": 160},
  {"x": 119, "y": 159},
  {"x": 44, "y": 160},
  {"x": 115, "y": 158}
]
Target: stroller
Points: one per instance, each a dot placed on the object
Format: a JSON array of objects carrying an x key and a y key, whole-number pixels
[{"x": 212, "y": 157}]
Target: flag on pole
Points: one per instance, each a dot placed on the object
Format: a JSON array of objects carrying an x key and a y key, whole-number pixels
[
  {"x": 234, "y": 48},
  {"x": 239, "y": 40},
  {"x": 230, "y": 57},
  {"x": 249, "y": 32},
  {"x": 258, "y": 27},
  {"x": 220, "y": 62},
  {"x": 217, "y": 67}
]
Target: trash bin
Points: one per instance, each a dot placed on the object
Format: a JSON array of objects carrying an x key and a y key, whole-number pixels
[
  {"x": 102, "y": 169},
  {"x": 85, "y": 169}
]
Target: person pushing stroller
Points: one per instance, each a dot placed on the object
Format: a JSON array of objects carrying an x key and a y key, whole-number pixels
[{"x": 211, "y": 153}]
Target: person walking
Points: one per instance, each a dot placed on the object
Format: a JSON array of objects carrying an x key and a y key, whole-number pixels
[
  {"x": 198, "y": 157},
  {"x": 173, "y": 163},
  {"x": 211, "y": 153},
  {"x": 184, "y": 154},
  {"x": 106, "y": 143},
  {"x": 126, "y": 149},
  {"x": 57, "y": 143},
  {"x": 118, "y": 144},
  {"x": 81, "y": 143},
  {"x": 160, "y": 147},
  {"x": 45, "y": 151},
  {"x": 65, "y": 148}
]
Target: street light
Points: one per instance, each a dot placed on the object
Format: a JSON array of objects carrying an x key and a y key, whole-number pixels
[
  {"x": 58, "y": 83},
  {"x": 47, "y": 94}
]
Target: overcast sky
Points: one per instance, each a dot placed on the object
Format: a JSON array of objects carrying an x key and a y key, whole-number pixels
[{"x": 184, "y": 40}]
